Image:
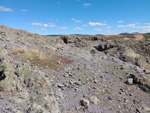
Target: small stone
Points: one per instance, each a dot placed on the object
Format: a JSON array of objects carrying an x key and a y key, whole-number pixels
[
  {"x": 146, "y": 108},
  {"x": 60, "y": 85},
  {"x": 60, "y": 94},
  {"x": 129, "y": 89},
  {"x": 46, "y": 75},
  {"x": 121, "y": 67},
  {"x": 71, "y": 75},
  {"x": 126, "y": 101},
  {"x": 78, "y": 83},
  {"x": 138, "y": 111},
  {"x": 94, "y": 100},
  {"x": 18, "y": 112},
  {"x": 76, "y": 89},
  {"x": 95, "y": 81},
  {"x": 147, "y": 71},
  {"x": 66, "y": 75},
  {"x": 71, "y": 82},
  {"x": 85, "y": 102},
  {"x": 109, "y": 98},
  {"x": 130, "y": 81}
]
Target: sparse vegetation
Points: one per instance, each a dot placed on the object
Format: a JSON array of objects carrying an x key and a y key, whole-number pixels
[
  {"x": 29, "y": 54},
  {"x": 2, "y": 88},
  {"x": 39, "y": 58}
]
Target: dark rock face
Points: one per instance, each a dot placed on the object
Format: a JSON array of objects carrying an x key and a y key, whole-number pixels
[
  {"x": 2, "y": 69},
  {"x": 65, "y": 39},
  {"x": 2, "y": 75},
  {"x": 94, "y": 38},
  {"x": 73, "y": 40},
  {"x": 136, "y": 52},
  {"x": 104, "y": 47}
]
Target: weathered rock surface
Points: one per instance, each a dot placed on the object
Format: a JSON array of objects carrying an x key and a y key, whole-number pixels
[{"x": 73, "y": 74}]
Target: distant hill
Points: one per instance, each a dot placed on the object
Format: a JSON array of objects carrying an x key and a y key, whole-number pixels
[
  {"x": 99, "y": 35},
  {"x": 135, "y": 33},
  {"x": 84, "y": 35},
  {"x": 53, "y": 35},
  {"x": 126, "y": 33},
  {"x": 146, "y": 33}
]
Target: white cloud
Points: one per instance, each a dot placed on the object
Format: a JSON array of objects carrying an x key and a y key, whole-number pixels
[
  {"x": 78, "y": 28},
  {"x": 128, "y": 26},
  {"x": 97, "y": 29},
  {"x": 86, "y": 4},
  {"x": 44, "y": 25},
  {"x": 147, "y": 23},
  {"x": 77, "y": 21},
  {"x": 43, "y": 29},
  {"x": 120, "y": 21},
  {"x": 63, "y": 28},
  {"x": 2, "y": 8},
  {"x": 24, "y": 10},
  {"x": 51, "y": 25},
  {"x": 37, "y": 24},
  {"x": 78, "y": 0},
  {"x": 134, "y": 26},
  {"x": 144, "y": 28},
  {"x": 96, "y": 24},
  {"x": 131, "y": 25}
]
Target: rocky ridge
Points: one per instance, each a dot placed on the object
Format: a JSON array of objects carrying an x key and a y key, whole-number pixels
[{"x": 73, "y": 74}]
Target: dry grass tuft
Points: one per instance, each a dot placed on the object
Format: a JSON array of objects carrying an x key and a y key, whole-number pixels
[
  {"x": 19, "y": 50},
  {"x": 36, "y": 57},
  {"x": 47, "y": 47},
  {"x": 35, "y": 53},
  {"x": 2, "y": 89},
  {"x": 29, "y": 54}
]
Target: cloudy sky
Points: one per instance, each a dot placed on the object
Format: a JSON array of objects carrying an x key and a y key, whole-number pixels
[{"x": 76, "y": 16}]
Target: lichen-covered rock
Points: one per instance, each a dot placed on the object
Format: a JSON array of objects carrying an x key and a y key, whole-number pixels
[{"x": 30, "y": 86}]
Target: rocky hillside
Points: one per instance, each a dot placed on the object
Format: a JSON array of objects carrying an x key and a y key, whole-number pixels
[{"x": 73, "y": 74}]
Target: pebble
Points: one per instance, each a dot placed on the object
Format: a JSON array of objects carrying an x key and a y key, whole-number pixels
[
  {"x": 78, "y": 83},
  {"x": 146, "y": 108},
  {"x": 85, "y": 102},
  {"x": 66, "y": 75},
  {"x": 130, "y": 81},
  {"x": 60, "y": 85},
  {"x": 60, "y": 94},
  {"x": 94, "y": 100}
]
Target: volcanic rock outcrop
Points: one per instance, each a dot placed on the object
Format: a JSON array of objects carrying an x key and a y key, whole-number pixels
[{"x": 73, "y": 74}]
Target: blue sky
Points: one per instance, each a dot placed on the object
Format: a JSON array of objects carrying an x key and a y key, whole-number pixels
[{"x": 76, "y": 16}]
